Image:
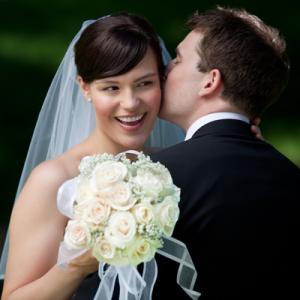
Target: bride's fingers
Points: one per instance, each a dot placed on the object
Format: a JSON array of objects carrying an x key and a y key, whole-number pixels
[
  {"x": 257, "y": 132},
  {"x": 85, "y": 261},
  {"x": 255, "y": 129},
  {"x": 256, "y": 121}
]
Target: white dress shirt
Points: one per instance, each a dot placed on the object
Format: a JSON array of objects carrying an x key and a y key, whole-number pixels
[{"x": 213, "y": 117}]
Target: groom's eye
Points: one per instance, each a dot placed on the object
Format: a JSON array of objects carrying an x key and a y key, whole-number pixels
[{"x": 175, "y": 61}]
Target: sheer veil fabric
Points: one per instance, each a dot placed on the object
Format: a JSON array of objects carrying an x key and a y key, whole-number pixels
[{"x": 66, "y": 119}]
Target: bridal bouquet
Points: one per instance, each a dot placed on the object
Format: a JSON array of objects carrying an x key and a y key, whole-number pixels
[{"x": 122, "y": 209}]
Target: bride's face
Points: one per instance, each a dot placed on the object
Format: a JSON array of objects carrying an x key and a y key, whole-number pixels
[{"x": 126, "y": 106}]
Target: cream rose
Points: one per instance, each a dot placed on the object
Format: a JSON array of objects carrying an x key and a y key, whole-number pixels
[
  {"x": 83, "y": 194},
  {"x": 83, "y": 190},
  {"x": 118, "y": 196},
  {"x": 80, "y": 208},
  {"x": 167, "y": 214},
  {"x": 176, "y": 194},
  {"x": 149, "y": 183},
  {"x": 104, "y": 249},
  {"x": 121, "y": 229},
  {"x": 143, "y": 213},
  {"x": 141, "y": 251},
  {"x": 77, "y": 235},
  {"x": 107, "y": 173},
  {"x": 97, "y": 212},
  {"x": 165, "y": 176}
]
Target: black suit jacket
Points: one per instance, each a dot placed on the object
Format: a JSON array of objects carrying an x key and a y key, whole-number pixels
[{"x": 240, "y": 215}]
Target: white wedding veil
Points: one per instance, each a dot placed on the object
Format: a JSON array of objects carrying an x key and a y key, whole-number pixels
[{"x": 66, "y": 119}]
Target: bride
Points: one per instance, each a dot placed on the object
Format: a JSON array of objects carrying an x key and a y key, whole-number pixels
[{"x": 119, "y": 70}]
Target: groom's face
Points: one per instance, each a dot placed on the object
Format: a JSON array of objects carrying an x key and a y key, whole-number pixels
[{"x": 182, "y": 83}]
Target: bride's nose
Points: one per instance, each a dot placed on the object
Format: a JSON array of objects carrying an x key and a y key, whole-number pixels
[{"x": 129, "y": 101}]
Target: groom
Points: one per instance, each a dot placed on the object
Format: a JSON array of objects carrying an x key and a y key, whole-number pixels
[{"x": 240, "y": 216}]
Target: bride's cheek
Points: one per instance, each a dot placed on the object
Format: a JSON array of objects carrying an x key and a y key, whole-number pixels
[
  {"x": 104, "y": 106},
  {"x": 154, "y": 99}
]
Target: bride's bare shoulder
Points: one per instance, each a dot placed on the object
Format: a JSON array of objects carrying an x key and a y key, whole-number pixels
[
  {"x": 37, "y": 197},
  {"x": 50, "y": 170},
  {"x": 46, "y": 178},
  {"x": 52, "y": 173}
]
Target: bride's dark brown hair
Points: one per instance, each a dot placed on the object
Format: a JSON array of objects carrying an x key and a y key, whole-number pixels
[{"x": 113, "y": 45}]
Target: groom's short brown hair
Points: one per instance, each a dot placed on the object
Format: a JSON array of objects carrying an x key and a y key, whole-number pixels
[{"x": 249, "y": 54}]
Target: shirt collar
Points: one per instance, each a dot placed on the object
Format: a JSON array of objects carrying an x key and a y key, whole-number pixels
[{"x": 213, "y": 117}]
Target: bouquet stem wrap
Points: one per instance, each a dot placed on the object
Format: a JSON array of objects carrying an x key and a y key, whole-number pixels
[{"x": 133, "y": 285}]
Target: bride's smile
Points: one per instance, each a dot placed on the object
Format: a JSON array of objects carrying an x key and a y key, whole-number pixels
[{"x": 131, "y": 123}]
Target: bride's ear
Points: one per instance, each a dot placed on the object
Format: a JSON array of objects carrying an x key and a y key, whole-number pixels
[
  {"x": 85, "y": 87},
  {"x": 211, "y": 83}
]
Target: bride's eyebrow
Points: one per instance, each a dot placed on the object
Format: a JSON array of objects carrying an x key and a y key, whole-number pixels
[
  {"x": 146, "y": 76},
  {"x": 108, "y": 81},
  {"x": 111, "y": 81}
]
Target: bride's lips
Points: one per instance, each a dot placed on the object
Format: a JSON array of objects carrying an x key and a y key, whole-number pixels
[{"x": 131, "y": 123}]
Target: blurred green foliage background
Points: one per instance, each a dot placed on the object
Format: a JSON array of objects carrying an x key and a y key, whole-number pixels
[{"x": 34, "y": 35}]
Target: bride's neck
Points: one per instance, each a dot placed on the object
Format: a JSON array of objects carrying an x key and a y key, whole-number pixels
[{"x": 98, "y": 143}]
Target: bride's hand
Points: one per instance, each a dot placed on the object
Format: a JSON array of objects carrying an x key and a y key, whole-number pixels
[
  {"x": 255, "y": 129},
  {"x": 85, "y": 264}
]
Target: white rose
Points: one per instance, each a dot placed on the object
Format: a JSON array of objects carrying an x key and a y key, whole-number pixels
[
  {"x": 85, "y": 162},
  {"x": 97, "y": 212},
  {"x": 83, "y": 195},
  {"x": 104, "y": 249},
  {"x": 83, "y": 191},
  {"x": 79, "y": 209},
  {"x": 176, "y": 193},
  {"x": 149, "y": 183},
  {"x": 77, "y": 235},
  {"x": 143, "y": 213},
  {"x": 107, "y": 173},
  {"x": 165, "y": 176},
  {"x": 118, "y": 196},
  {"x": 167, "y": 214},
  {"x": 141, "y": 251},
  {"x": 121, "y": 229}
]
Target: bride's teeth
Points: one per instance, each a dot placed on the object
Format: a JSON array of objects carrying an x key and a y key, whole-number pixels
[{"x": 130, "y": 119}]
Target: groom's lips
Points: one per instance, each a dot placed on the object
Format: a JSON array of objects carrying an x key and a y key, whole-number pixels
[{"x": 131, "y": 125}]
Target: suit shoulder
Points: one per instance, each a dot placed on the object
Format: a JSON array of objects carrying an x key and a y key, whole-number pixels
[{"x": 165, "y": 153}]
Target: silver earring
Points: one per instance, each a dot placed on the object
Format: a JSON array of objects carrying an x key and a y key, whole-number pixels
[{"x": 89, "y": 100}]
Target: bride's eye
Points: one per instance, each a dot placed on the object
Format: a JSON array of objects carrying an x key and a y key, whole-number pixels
[
  {"x": 112, "y": 88},
  {"x": 145, "y": 83}
]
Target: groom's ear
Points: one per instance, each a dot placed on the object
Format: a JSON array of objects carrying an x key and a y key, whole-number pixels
[{"x": 211, "y": 83}]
